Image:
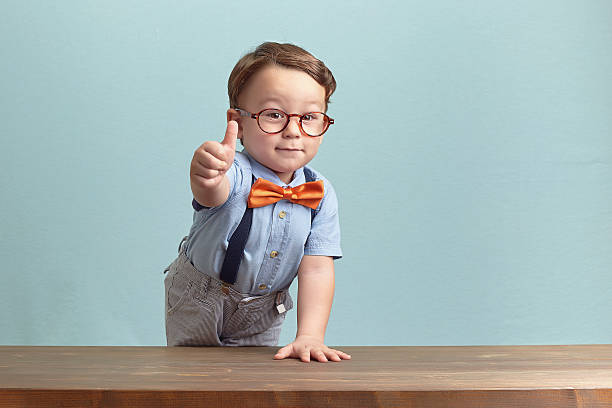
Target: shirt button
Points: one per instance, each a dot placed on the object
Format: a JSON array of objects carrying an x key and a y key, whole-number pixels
[
  {"x": 273, "y": 254},
  {"x": 282, "y": 214},
  {"x": 263, "y": 286}
]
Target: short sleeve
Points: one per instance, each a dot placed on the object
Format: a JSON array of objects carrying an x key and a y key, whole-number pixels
[{"x": 324, "y": 238}]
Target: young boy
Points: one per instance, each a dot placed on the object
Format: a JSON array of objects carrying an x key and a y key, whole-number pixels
[{"x": 261, "y": 216}]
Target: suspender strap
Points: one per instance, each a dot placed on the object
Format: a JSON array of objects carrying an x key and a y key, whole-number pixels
[
  {"x": 237, "y": 242},
  {"x": 310, "y": 176},
  {"x": 235, "y": 248}
]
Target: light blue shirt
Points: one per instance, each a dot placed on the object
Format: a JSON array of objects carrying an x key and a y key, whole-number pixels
[{"x": 283, "y": 227}]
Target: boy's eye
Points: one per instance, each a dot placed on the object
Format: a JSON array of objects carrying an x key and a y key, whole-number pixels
[
  {"x": 311, "y": 117},
  {"x": 272, "y": 115}
]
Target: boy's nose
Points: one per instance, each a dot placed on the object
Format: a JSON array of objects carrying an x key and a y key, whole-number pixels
[{"x": 293, "y": 128}]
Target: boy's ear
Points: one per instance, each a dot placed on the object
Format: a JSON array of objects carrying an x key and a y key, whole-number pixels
[{"x": 233, "y": 114}]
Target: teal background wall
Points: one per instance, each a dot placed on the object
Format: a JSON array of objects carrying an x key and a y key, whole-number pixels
[{"x": 482, "y": 128}]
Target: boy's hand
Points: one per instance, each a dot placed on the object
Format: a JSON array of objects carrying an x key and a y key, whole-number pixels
[
  {"x": 212, "y": 159},
  {"x": 305, "y": 346}
]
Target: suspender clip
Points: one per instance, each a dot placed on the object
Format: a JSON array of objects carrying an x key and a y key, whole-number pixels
[{"x": 279, "y": 306}]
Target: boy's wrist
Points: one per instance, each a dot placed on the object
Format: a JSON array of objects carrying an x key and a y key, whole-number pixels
[
  {"x": 211, "y": 196},
  {"x": 317, "y": 337}
]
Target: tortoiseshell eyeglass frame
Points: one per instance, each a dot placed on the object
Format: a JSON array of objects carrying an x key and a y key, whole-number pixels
[{"x": 328, "y": 120}]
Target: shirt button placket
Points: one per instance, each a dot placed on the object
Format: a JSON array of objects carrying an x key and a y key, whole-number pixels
[{"x": 278, "y": 230}]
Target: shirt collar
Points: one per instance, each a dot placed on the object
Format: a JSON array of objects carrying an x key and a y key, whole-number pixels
[{"x": 261, "y": 171}]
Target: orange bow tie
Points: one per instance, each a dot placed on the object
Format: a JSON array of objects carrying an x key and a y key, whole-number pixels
[{"x": 265, "y": 192}]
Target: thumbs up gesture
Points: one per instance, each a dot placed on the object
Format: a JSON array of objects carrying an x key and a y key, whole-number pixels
[{"x": 210, "y": 162}]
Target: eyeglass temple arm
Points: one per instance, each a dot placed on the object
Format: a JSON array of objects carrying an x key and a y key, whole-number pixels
[{"x": 245, "y": 113}]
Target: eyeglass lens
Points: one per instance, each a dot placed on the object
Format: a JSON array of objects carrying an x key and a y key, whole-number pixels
[{"x": 273, "y": 121}]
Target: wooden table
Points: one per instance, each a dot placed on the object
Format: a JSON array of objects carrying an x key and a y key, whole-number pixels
[{"x": 483, "y": 376}]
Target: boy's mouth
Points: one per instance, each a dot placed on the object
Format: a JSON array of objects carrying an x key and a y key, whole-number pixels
[{"x": 289, "y": 149}]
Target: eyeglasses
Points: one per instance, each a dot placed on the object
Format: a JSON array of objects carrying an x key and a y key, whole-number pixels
[{"x": 275, "y": 121}]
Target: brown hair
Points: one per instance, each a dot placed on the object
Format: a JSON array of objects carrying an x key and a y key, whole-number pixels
[{"x": 285, "y": 55}]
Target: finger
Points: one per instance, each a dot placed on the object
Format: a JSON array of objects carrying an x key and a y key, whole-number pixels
[
  {"x": 305, "y": 356},
  {"x": 209, "y": 161},
  {"x": 342, "y": 354},
  {"x": 331, "y": 355},
  {"x": 283, "y": 353},
  {"x": 205, "y": 173},
  {"x": 206, "y": 182},
  {"x": 231, "y": 134},
  {"x": 320, "y": 356},
  {"x": 215, "y": 149}
]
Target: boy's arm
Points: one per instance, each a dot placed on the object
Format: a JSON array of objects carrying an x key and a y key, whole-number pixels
[
  {"x": 209, "y": 185},
  {"x": 315, "y": 296}
]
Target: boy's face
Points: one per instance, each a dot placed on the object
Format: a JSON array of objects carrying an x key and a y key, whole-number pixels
[{"x": 289, "y": 90}]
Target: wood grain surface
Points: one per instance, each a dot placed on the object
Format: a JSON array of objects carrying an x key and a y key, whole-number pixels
[{"x": 474, "y": 376}]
